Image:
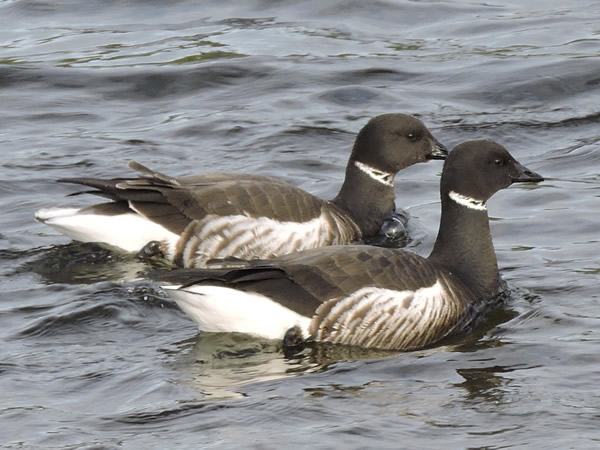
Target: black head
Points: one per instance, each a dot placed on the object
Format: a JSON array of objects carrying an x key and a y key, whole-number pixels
[
  {"x": 478, "y": 169},
  {"x": 391, "y": 142}
]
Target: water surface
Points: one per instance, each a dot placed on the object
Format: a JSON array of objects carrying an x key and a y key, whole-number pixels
[{"x": 94, "y": 356}]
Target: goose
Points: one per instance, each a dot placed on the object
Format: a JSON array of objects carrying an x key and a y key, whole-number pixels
[
  {"x": 367, "y": 296},
  {"x": 193, "y": 220}
]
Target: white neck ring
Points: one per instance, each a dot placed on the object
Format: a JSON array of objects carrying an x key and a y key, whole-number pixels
[
  {"x": 469, "y": 202},
  {"x": 375, "y": 174}
]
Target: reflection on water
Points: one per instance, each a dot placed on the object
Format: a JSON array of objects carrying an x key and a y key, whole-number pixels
[
  {"x": 219, "y": 364},
  {"x": 216, "y": 364},
  {"x": 78, "y": 263},
  {"x": 485, "y": 384}
]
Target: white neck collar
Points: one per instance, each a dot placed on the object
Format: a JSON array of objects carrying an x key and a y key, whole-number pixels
[
  {"x": 469, "y": 202},
  {"x": 376, "y": 174}
]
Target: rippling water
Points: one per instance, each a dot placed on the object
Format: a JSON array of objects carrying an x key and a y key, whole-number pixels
[{"x": 94, "y": 356}]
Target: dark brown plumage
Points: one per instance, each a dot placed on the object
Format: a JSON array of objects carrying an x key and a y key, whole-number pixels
[
  {"x": 203, "y": 217},
  {"x": 370, "y": 296}
]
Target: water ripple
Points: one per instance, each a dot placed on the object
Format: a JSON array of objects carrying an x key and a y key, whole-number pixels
[{"x": 95, "y": 356}]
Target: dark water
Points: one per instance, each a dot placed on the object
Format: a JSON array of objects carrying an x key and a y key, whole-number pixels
[{"x": 94, "y": 357}]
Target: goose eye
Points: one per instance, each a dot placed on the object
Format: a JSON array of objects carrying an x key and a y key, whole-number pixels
[
  {"x": 412, "y": 137},
  {"x": 499, "y": 162}
]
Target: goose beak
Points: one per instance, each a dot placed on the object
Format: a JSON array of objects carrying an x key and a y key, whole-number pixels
[
  {"x": 438, "y": 150},
  {"x": 523, "y": 174}
]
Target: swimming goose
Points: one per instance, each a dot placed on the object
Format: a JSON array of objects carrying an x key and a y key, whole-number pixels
[
  {"x": 370, "y": 296},
  {"x": 200, "y": 218}
]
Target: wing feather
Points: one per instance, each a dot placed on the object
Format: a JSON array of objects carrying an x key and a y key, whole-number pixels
[{"x": 174, "y": 203}]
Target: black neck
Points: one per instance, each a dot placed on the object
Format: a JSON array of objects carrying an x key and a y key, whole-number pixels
[
  {"x": 464, "y": 245},
  {"x": 367, "y": 200}
]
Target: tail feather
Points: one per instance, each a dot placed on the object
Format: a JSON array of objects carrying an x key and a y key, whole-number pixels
[{"x": 120, "y": 189}]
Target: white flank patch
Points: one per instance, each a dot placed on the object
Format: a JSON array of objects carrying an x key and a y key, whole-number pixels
[
  {"x": 384, "y": 318},
  {"x": 378, "y": 175},
  {"x": 223, "y": 309},
  {"x": 129, "y": 232},
  {"x": 469, "y": 202},
  {"x": 246, "y": 237}
]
